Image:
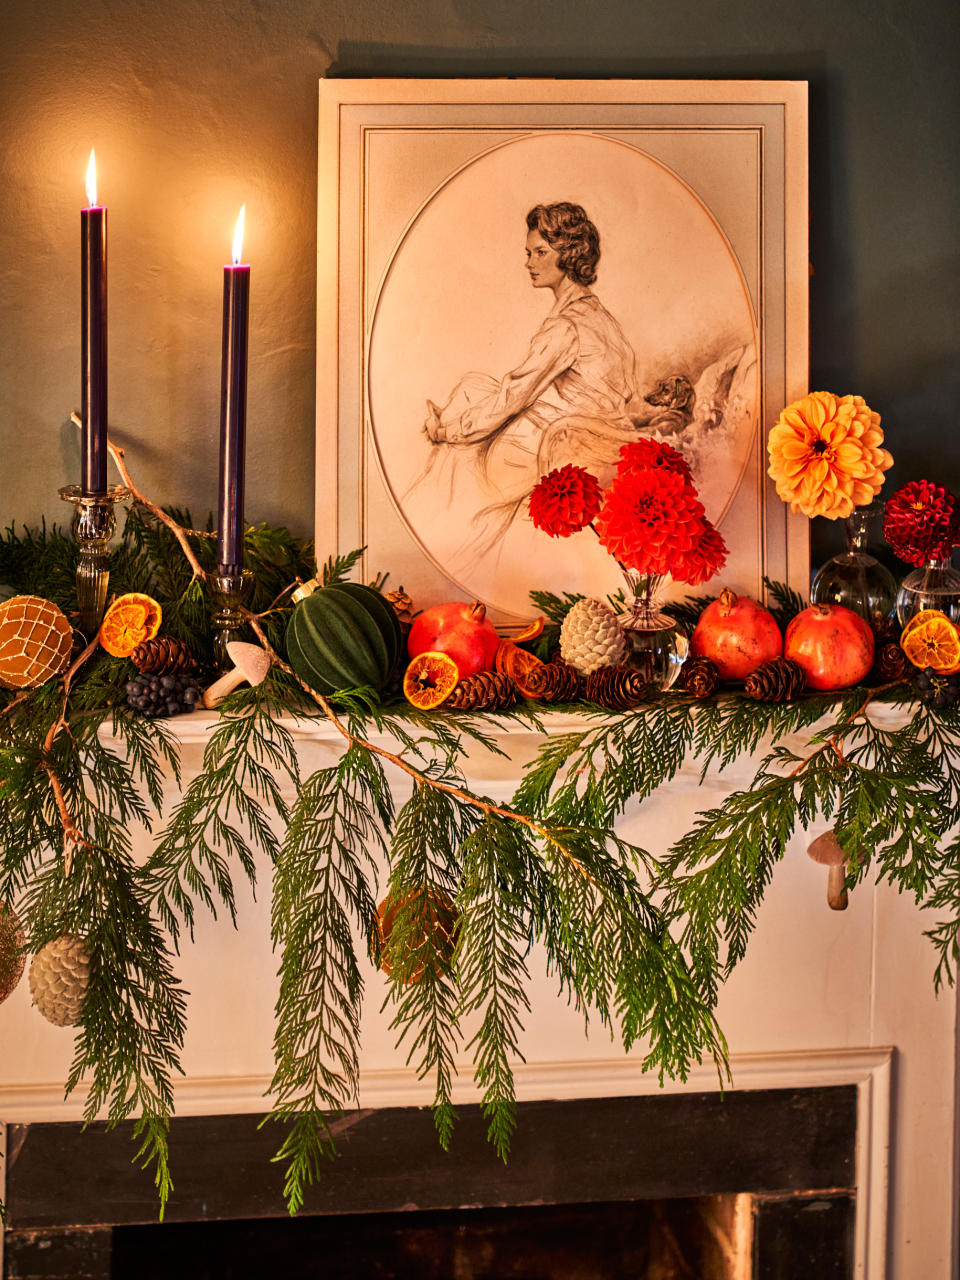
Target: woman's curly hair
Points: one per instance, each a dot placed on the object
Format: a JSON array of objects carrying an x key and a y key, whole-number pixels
[{"x": 566, "y": 228}]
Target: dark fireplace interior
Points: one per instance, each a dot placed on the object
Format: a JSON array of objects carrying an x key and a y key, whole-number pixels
[{"x": 755, "y": 1185}]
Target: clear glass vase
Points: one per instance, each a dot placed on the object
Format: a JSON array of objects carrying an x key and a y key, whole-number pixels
[
  {"x": 656, "y": 644},
  {"x": 935, "y": 586},
  {"x": 855, "y": 578}
]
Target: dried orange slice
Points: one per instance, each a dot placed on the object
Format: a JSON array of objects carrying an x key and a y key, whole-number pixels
[
  {"x": 129, "y": 621},
  {"x": 430, "y": 677},
  {"x": 934, "y": 643},
  {"x": 516, "y": 663},
  {"x": 918, "y": 619},
  {"x": 530, "y": 631}
]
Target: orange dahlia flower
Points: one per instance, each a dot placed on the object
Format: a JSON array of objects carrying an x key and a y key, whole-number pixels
[{"x": 825, "y": 454}]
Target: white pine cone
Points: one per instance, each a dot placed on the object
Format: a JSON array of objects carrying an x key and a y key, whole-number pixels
[
  {"x": 590, "y": 637},
  {"x": 59, "y": 976}
]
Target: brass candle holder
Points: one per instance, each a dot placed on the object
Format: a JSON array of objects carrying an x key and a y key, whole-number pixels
[
  {"x": 229, "y": 591},
  {"x": 94, "y": 524}
]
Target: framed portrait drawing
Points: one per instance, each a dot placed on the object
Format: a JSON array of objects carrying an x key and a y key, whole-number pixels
[{"x": 457, "y": 363}]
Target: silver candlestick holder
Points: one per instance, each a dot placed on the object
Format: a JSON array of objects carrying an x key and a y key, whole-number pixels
[
  {"x": 94, "y": 524},
  {"x": 229, "y": 590}
]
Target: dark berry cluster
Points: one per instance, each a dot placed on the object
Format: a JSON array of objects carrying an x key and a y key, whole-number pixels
[
  {"x": 168, "y": 695},
  {"x": 936, "y": 690}
]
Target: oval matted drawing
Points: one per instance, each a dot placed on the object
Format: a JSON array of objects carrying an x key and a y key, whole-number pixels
[{"x": 490, "y": 361}]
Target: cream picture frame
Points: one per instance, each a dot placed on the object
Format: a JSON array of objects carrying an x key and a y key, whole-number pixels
[{"x": 699, "y": 192}]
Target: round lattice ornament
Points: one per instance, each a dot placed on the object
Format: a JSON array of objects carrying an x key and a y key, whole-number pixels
[
  {"x": 59, "y": 975},
  {"x": 12, "y": 955},
  {"x": 35, "y": 642}
]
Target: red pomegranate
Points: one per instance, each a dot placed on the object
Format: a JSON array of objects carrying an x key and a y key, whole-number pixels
[
  {"x": 737, "y": 634},
  {"x": 460, "y": 630},
  {"x": 833, "y": 645}
]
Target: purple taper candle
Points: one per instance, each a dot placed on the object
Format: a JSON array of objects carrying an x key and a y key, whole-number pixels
[
  {"x": 93, "y": 340},
  {"x": 233, "y": 407}
]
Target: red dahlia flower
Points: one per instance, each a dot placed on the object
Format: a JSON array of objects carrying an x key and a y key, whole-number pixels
[
  {"x": 921, "y": 522},
  {"x": 650, "y": 519},
  {"x": 565, "y": 501},
  {"x": 643, "y": 453},
  {"x": 705, "y": 560}
]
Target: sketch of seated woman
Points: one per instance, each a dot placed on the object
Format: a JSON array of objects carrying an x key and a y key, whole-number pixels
[{"x": 572, "y": 399}]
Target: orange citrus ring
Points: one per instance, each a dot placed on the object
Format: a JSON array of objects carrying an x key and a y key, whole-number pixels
[
  {"x": 131, "y": 619},
  {"x": 517, "y": 664},
  {"x": 934, "y": 644},
  {"x": 530, "y": 631},
  {"x": 918, "y": 620},
  {"x": 429, "y": 679}
]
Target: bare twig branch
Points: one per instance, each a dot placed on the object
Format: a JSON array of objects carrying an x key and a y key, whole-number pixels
[
  {"x": 833, "y": 742},
  {"x": 176, "y": 529},
  {"x": 72, "y": 836}
]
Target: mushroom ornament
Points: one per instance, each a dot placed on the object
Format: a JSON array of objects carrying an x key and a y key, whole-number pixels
[{"x": 250, "y": 664}]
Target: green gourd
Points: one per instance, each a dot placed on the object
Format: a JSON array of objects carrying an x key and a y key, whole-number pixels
[{"x": 342, "y": 637}]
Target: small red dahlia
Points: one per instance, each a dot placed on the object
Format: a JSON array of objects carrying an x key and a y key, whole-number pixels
[
  {"x": 644, "y": 452},
  {"x": 921, "y": 522},
  {"x": 705, "y": 560},
  {"x": 650, "y": 519},
  {"x": 565, "y": 501}
]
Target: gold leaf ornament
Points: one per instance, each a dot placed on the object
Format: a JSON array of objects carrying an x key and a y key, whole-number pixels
[{"x": 826, "y": 455}]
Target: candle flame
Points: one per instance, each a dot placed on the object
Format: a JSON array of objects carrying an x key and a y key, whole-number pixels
[
  {"x": 92, "y": 180},
  {"x": 238, "y": 237}
]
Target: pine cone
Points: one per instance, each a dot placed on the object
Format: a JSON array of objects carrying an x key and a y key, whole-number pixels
[
  {"x": 890, "y": 663},
  {"x": 779, "y": 680},
  {"x": 699, "y": 677},
  {"x": 12, "y": 958},
  {"x": 163, "y": 656},
  {"x": 590, "y": 636},
  {"x": 59, "y": 976},
  {"x": 555, "y": 681},
  {"x": 402, "y": 605},
  {"x": 620, "y": 688},
  {"x": 486, "y": 691}
]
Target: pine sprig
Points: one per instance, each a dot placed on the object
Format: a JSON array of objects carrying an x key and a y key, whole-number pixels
[
  {"x": 324, "y": 888},
  {"x": 430, "y": 831},
  {"x": 783, "y": 602},
  {"x": 338, "y": 568},
  {"x": 490, "y": 965},
  {"x": 719, "y": 871},
  {"x": 224, "y": 814},
  {"x": 133, "y": 1018}
]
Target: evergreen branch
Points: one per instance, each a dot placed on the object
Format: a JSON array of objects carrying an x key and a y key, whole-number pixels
[
  {"x": 786, "y": 603},
  {"x": 224, "y": 811},
  {"x": 430, "y": 830},
  {"x": 337, "y": 568},
  {"x": 133, "y": 1018},
  {"x": 717, "y": 873},
  {"x": 323, "y": 884},
  {"x": 489, "y": 962}
]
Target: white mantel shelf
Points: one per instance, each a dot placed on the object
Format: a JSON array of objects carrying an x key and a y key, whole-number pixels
[{"x": 822, "y": 998}]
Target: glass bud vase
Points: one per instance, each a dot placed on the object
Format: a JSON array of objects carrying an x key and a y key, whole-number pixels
[
  {"x": 935, "y": 586},
  {"x": 656, "y": 645},
  {"x": 857, "y": 579}
]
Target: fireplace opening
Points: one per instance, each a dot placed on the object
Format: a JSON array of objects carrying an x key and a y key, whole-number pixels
[
  {"x": 706, "y": 1237},
  {"x": 752, "y": 1185}
]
